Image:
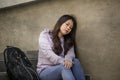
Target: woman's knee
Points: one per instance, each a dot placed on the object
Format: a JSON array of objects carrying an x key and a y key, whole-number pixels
[
  {"x": 75, "y": 60},
  {"x": 51, "y": 72}
]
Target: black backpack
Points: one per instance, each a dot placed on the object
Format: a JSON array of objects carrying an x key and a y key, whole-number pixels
[{"x": 18, "y": 66}]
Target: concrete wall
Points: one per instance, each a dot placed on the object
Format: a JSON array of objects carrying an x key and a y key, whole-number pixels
[
  {"x": 98, "y": 33},
  {"x": 8, "y": 3}
]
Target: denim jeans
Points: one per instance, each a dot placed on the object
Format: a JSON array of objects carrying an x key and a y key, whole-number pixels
[{"x": 59, "y": 72}]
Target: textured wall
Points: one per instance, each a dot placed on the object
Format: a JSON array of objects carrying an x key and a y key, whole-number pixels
[{"x": 98, "y": 33}]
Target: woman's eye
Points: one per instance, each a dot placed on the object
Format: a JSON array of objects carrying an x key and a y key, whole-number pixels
[{"x": 67, "y": 24}]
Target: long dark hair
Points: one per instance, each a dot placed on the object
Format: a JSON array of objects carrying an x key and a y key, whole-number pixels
[{"x": 69, "y": 39}]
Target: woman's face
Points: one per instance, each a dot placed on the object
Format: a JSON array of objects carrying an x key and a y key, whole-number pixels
[{"x": 66, "y": 27}]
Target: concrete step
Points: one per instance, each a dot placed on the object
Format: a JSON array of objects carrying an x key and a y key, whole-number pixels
[
  {"x": 3, "y": 76},
  {"x": 32, "y": 55},
  {"x": 3, "y": 68}
]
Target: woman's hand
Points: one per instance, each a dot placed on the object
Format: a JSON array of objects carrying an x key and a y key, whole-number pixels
[{"x": 68, "y": 64}]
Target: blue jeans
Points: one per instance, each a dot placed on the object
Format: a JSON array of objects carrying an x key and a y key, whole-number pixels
[{"x": 59, "y": 72}]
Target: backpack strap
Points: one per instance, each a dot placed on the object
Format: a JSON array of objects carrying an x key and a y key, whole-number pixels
[{"x": 5, "y": 55}]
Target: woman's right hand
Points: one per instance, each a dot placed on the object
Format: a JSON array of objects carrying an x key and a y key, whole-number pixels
[{"x": 68, "y": 64}]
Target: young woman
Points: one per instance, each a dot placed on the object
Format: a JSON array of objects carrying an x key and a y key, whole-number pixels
[{"x": 56, "y": 60}]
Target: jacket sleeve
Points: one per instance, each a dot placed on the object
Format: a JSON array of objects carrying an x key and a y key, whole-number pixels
[
  {"x": 70, "y": 55},
  {"x": 46, "y": 49}
]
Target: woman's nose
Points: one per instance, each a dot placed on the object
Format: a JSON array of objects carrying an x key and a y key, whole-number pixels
[{"x": 68, "y": 27}]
